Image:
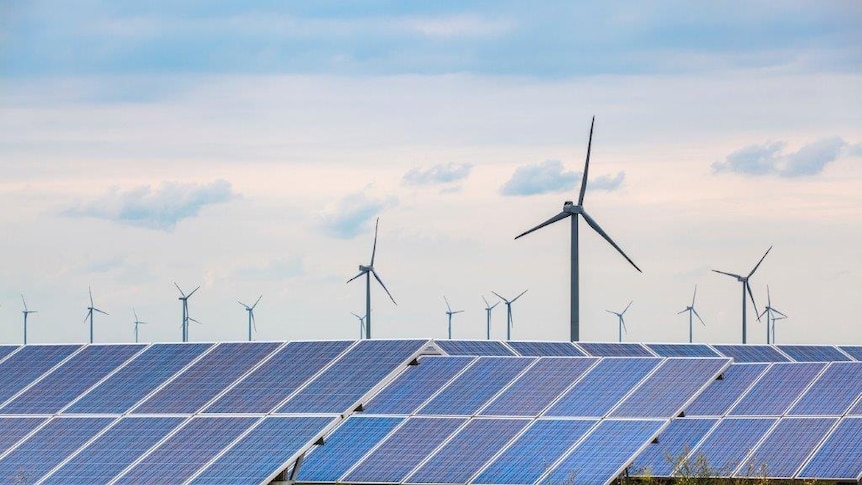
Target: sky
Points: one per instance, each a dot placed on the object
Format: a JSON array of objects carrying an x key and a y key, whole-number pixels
[{"x": 249, "y": 147}]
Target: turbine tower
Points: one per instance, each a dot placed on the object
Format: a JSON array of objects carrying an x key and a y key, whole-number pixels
[
  {"x": 622, "y": 320},
  {"x": 488, "y": 309},
  {"x": 769, "y": 311},
  {"x": 186, "y": 318},
  {"x": 137, "y": 322},
  {"x": 449, "y": 313},
  {"x": 26, "y": 312},
  {"x": 250, "y": 310},
  {"x": 509, "y": 322},
  {"x": 361, "y": 325},
  {"x": 571, "y": 210},
  {"x": 691, "y": 311},
  {"x": 90, "y": 310},
  {"x": 746, "y": 286},
  {"x": 368, "y": 271}
]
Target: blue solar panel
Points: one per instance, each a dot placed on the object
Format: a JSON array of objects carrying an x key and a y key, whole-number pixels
[
  {"x": 784, "y": 451},
  {"x": 47, "y": 447},
  {"x": 546, "y": 349},
  {"x": 464, "y": 455},
  {"x": 256, "y": 458},
  {"x": 780, "y": 385},
  {"x": 350, "y": 441},
  {"x": 271, "y": 383},
  {"x": 358, "y": 371},
  {"x": 113, "y": 451},
  {"x": 840, "y": 456},
  {"x": 474, "y": 347},
  {"x": 476, "y": 385},
  {"x": 675, "y": 442},
  {"x": 716, "y": 399},
  {"x": 730, "y": 442},
  {"x": 606, "y": 451},
  {"x": 82, "y": 371},
  {"x": 416, "y": 384},
  {"x": 683, "y": 350},
  {"x": 673, "y": 384},
  {"x": 176, "y": 459},
  {"x": 13, "y": 429},
  {"x": 536, "y": 388},
  {"x": 207, "y": 377},
  {"x": 603, "y": 387},
  {"x": 529, "y": 456},
  {"x": 813, "y": 353},
  {"x": 854, "y": 351},
  {"x": 22, "y": 367},
  {"x": 614, "y": 349},
  {"x": 751, "y": 353},
  {"x": 403, "y": 450},
  {"x": 118, "y": 393},
  {"x": 833, "y": 392},
  {"x": 6, "y": 350},
  {"x": 857, "y": 409}
]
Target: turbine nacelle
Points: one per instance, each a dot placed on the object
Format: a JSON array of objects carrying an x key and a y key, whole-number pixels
[
  {"x": 570, "y": 208},
  {"x": 365, "y": 269}
]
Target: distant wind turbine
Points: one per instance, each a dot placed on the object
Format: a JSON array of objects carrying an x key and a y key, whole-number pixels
[
  {"x": 90, "y": 310},
  {"x": 746, "y": 286},
  {"x": 509, "y": 322},
  {"x": 137, "y": 322},
  {"x": 773, "y": 326},
  {"x": 573, "y": 211},
  {"x": 26, "y": 312},
  {"x": 186, "y": 318},
  {"x": 361, "y": 325},
  {"x": 691, "y": 311},
  {"x": 770, "y": 313},
  {"x": 368, "y": 271},
  {"x": 488, "y": 309},
  {"x": 250, "y": 310},
  {"x": 449, "y": 313},
  {"x": 622, "y": 320}
]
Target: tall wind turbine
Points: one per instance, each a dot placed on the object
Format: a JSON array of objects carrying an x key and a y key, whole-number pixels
[
  {"x": 26, "y": 312},
  {"x": 368, "y": 271},
  {"x": 186, "y": 318},
  {"x": 488, "y": 309},
  {"x": 361, "y": 325},
  {"x": 773, "y": 326},
  {"x": 769, "y": 311},
  {"x": 691, "y": 311},
  {"x": 572, "y": 211},
  {"x": 509, "y": 322},
  {"x": 137, "y": 322},
  {"x": 250, "y": 310},
  {"x": 622, "y": 320},
  {"x": 746, "y": 287},
  {"x": 90, "y": 310},
  {"x": 449, "y": 313}
]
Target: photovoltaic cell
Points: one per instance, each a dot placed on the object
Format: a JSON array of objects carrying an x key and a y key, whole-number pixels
[
  {"x": 730, "y": 442},
  {"x": 545, "y": 349},
  {"x": 673, "y": 384},
  {"x": 534, "y": 452},
  {"x": 840, "y": 456},
  {"x": 476, "y": 385},
  {"x": 344, "y": 447},
  {"x": 118, "y": 393},
  {"x": 854, "y": 351},
  {"x": 351, "y": 376},
  {"x": 6, "y": 350},
  {"x": 265, "y": 387},
  {"x": 683, "y": 350},
  {"x": 716, "y": 399},
  {"x": 416, "y": 384},
  {"x": 207, "y": 377},
  {"x": 403, "y": 450},
  {"x": 262, "y": 453},
  {"x": 614, "y": 349},
  {"x": 780, "y": 385},
  {"x": 813, "y": 353},
  {"x": 13, "y": 429},
  {"x": 473, "y": 347},
  {"x": 472, "y": 447},
  {"x": 676, "y": 441},
  {"x": 82, "y": 371},
  {"x": 833, "y": 392},
  {"x": 751, "y": 353},
  {"x": 857, "y": 409},
  {"x": 603, "y": 387},
  {"x": 786, "y": 448},
  {"x": 113, "y": 451},
  {"x": 22, "y": 367},
  {"x": 536, "y": 388}
]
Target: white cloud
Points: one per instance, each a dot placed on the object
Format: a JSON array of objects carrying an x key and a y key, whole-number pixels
[
  {"x": 607, "y": 182},
  {"x": 352, "y": 214},
  {"x": 769, "y": 159},
  {"x": 541, "y": 178},
  {"x": 438, "y": 174}
]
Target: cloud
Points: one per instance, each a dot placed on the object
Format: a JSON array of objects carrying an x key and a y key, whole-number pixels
[
  {"x": 439, "y": 174},
  {"x": 352, "y": 214},
  {"x": 160, "y": 208},
  {"x": 769, "y": 158},
  {"x": 607, "y": 182},
  {"x": 541, "y": 178},
  {"x": 277, "y": 269}
]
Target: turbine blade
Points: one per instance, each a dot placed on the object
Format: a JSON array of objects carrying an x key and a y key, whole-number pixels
[
  {"x": 778, "y": 312},
  {"x": 627, "y": 306},
  {"x": 193, "y": 320},
  {"x": 135, "y": 313},
  {"x": 486, "y": 301},
  {"x": 100, "y": 311},
  {"x": 519, "y": 296},
  {"x": 586, "y": 164},
  {"x": 751, "y": 294},
  {"x": 384, "y": 286},
  {"x": 357, "y": 276},
  {"x": 679, "y": 313},
  {"x": 257, "y": 301},
  {"x": 622, "y": 320},
  {"x": 500, "y": 297},
  {"x": 253, "y": 322},
  {"x": 355, "y": 315},
  {"x": 193, "y": 292},
  {"x": 24, "y": 301},
  {"x": 374, "y": 248},
  {"x": 768, "y": 297},
  {"x": 611, "y": 312},
  {"x": 178, "y": 287},
  {"x": 87, "y": 316},
  {"x": 762, "y": 313},
  {"x": 558, "y": 217},
  {"x": 761, "y": 260},
  {"x": 694, "y": 295},
  {"x": 447, "y": 303},
  {"x": 243, "y": 304},
  {"x": 91, "y": 295},
  {"x": 495, "y": 304},
  {"x": 698, "y": 317},
  {"x": 601, "y": 232},
  {"x": 728, "y": 274},
  {"x": 458, "y": 311}
]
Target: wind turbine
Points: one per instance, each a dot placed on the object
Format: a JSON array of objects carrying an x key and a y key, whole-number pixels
[
  {"x": 746, "y": 287},
  {"x": 509, "y": 322},
  {"x": 26, "y": 312},
  {"x": 773, "y": 326},
  {"x": 770, "y": 318},
  {"x": 137, "y": 322},
  {"x": 488, "y": 309},
  {"x": 250, "y": 310},
  {"x": 368, "y": 271},
  {"x": 449, "y": 313},
  {"x": 572, "y": 211},
  {"x": 186, "y": 318},
  {"x": 622, "y": 320},
  {"x": 691, "y": 311},
  {"x": 361, "y": 325},
  {"x": 90, "y": 310}
]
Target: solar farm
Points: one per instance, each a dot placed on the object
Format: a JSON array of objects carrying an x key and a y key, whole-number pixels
[{"x": 425, "y": 412}]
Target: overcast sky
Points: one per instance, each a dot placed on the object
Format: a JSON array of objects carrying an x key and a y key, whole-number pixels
[{"x": 248, "y": 149}]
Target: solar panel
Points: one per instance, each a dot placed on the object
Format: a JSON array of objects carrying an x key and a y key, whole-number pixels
[
  {"x": 603, "y": 387},
  {"x": 22, "y": 367},
  {"x": 533, "y": 452},
  {"x": 536, "y": 388},
  {"x": 352, "y": 376},
  {"x": 344, "y": 447},
  {"x": 474, "y": 347},
  {"x": 464, "y": 455},
  {"x": 260, "y": 455},
  {"x": 13, "y": 429},
  {"x": 730, "y": 442},
  {"x": 403, "y": 450},
  {"x": 277, "y": 378},
  {"x": 113, "y": 451},
  {"x": 664, "y": 393},
  {"x": 683, "y": 350},
  {"x": 79, "y": 373},
  {"x": 840, "y": 456},
  {"x": 784, "y": 451},
  {"x": 777, "y": 389},
  {"x": 856, "y": 410},
  {"x": 716, "y": 399},
  {"x": 416, "y": 384},
  {"x": 119, "y": 392},
  {"x": 751, "y": 353},
  {"x": 206, "y": 378},
  {"x": 475, "y": 386},
  {"x": 813, "y": 353},
  {"x": 854, "y": 351},
  {"x": 660, "y": 458},
  {"x": 833, "y": 392},
  {"x": 6, "y": 350},
  {"x": 177, "y": 458},
  {"x": 545, "y": 349},
  {"x": 598, "y": 349}
]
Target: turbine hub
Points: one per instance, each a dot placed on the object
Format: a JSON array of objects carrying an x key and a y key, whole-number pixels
[
  {"x": 571, "y": 208},
  {"x": 365, "y": 269}
]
